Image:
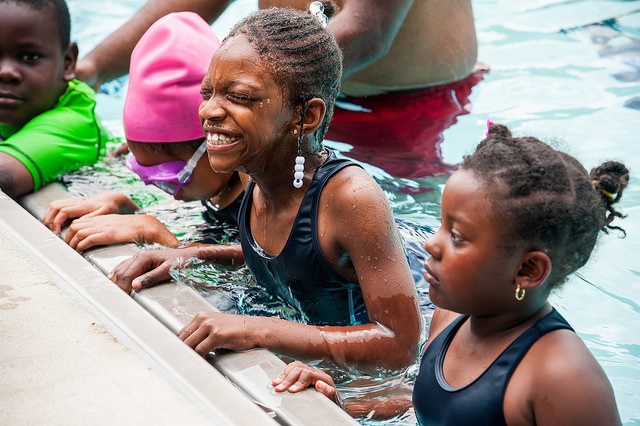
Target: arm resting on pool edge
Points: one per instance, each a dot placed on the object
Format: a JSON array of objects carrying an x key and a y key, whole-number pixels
[
  {"x": 60, "y": 212},
  {"x": 367, "y": 348},
  {"x": 149, "y": 267},
  {"x": 87, "y": 232},
  {"x": 15, "y": 178},
  {"x": 297, "y": 376},
  {"x": 354, "y": 218}
]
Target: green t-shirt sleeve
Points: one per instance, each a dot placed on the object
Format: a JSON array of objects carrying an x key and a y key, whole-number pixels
[{"x": 60, "y": 140}]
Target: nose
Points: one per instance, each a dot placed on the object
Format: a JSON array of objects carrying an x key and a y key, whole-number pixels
[
  {"x": 211, "y": 109},
  {"x": 8, "y": 71},
  {"x": 433, "y": 246}
]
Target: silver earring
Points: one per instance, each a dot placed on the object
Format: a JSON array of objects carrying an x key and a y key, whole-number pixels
[
  {"x": 298, "y": 174},
  {"x": 298, "y": 170},
  {"x": 295, "y": 131}
]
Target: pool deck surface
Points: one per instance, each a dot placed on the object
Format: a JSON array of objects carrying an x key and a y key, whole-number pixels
[
  {"x": 58, "y": 365},
  {"x": 78, "y": 350}
]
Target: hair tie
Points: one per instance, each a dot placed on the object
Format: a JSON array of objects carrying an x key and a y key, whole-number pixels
[
  {"x": 317, "y": 9},
  {"x": 606, "y": 193},
  {"x": 489, "y": 123}
]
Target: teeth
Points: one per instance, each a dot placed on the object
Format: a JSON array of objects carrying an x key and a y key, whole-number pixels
[{"x": 219, "y": 139}]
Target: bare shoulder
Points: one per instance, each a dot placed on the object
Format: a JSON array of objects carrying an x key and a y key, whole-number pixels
[
  {"x": 354, "y": 185},
  {"x": 561, "y": 354},
  {"x": 562, "y": 383},
  {"x": 355, "y": 205},
  {"x": 440, "y": 320},
  {"x": 355, "y": 221}
]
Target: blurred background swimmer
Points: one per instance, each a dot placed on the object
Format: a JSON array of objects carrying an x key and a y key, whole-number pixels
[{"x": 166, "y": 141}]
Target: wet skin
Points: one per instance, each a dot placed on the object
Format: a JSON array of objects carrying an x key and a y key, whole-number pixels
[
  {"x": 205, "y": 183},
  {"x": 99, "y": 219},
  {"x": 557, "y": 382},
  {"x": 250, "y": 129}
]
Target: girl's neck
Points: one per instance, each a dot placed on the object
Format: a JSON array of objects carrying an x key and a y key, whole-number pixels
[
  {"x": 228, "y": 195},
  {"x": 495, "y": 326},
  {"x": 279, "y": 188}
]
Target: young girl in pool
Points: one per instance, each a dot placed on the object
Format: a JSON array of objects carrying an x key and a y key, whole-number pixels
[
  {"x": 316, "y": 230},
  {"x": 517, "y": 218},
  {"x": 166, "y": 142}
]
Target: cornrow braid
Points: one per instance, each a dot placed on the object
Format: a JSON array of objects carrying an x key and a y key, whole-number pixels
[
  {"x": 302, "y": 55},
  {"x": 547, "y": 198},
  {"x": 59, "y": 10}
]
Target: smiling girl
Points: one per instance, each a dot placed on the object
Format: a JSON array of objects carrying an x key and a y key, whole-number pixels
[{"x": 316, "y": 230}]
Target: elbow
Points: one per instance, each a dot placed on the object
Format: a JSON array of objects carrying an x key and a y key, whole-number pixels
[
  {"x": 403, "y": 352},
  {"x": 408, "y": 351},
  {"x": 13, "y": 191},
  {"x": 398, "y": 357}
]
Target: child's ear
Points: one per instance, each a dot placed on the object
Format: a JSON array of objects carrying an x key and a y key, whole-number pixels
[
  {"x": 313, "y": 116},
  {"x": 70, "y": 59},
  {"x": 534, "y": 270}
]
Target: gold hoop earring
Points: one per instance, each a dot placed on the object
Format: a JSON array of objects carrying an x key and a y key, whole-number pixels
[{"x": 519, "y": 292}]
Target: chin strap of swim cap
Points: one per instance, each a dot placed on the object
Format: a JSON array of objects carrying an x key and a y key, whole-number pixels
[{"x": 185, "y": 173}]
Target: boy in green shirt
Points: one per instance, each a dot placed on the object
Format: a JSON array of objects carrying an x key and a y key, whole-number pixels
[{"x": 48, "y": 124}]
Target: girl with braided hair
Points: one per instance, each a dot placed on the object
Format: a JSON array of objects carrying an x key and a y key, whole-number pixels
[
  {"x": 315, "y": 230},
  {"x": 517, "y": 218}
]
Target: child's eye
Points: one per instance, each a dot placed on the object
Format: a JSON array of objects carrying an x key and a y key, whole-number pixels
[
  {"x": 455, "y": 237},
  {"x": 239, "y": 97},
  {"x": 30, "y": 57}
]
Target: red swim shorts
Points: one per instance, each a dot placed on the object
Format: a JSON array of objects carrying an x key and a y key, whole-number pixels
[{"x": 401, "y": 132}]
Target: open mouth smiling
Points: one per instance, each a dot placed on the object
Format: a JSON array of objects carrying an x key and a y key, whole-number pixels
[{"x": 217, "y": 139}]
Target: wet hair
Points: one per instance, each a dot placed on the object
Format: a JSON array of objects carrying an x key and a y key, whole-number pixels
[
  {"x": 546, "y": 197},
  {"x": 303, "y": 56},
  {"x": 59, "y": 10}
]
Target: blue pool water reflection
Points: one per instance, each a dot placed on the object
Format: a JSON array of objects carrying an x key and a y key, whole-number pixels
[{"x": 564, "y": 71}]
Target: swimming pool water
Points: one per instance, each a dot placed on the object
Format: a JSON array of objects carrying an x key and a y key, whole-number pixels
[{"x": 564, "y": 71}]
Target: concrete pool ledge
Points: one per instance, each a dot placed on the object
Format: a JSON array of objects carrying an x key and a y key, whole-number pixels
[{"x": 236, "y": 391}]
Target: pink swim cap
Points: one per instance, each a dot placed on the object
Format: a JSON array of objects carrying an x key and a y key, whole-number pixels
[{"x": 165, "y": 76}]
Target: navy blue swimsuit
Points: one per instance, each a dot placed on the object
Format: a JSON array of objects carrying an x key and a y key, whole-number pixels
[
  {"x": 300, "y": 274},
  {"x": 222, "y": 224},
  {"x": 480, "y": 402},
  {"x": 228, "y": 215}
]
